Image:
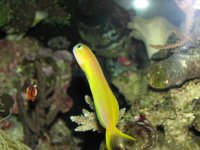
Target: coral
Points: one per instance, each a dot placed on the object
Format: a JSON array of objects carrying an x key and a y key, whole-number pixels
[
  {"x": 190, "y": 30},
  {"x": 51, "y": 71},
  {"x": 8, "y": 143},
  {"x": 39, "y": 16},
  {"x": 12, "y": 53},
  {"x": 52, "y": 97},
  {"x": 88, "y": 120},
  {"x": 185, "y": 42},
  {"x": 174, "y": 71},
  {"x": 156, "y": 30},
  {"x": 187, "y": 6}
]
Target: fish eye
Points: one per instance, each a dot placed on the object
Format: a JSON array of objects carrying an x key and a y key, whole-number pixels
[{"x": 79, "y": 45}]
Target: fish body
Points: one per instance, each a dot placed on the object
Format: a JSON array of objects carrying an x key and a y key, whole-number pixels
[
  {"x": 106, "y": 104},
  {"x": 31, "y": 92}
]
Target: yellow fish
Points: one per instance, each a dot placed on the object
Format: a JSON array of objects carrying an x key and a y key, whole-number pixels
[{"x": 106, "y": 105}]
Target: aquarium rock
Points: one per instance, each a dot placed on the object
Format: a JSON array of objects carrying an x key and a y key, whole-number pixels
[
  {"x": 105, "y": 39},
  {"x": 174, "y": 71},
  {"x": 131, "y": 84},
  {"x": 59, "y": 137},
  {"x": 177, "y": 131},
  {"x": 6, "y": 104},
  {"x": 173, "y": 116},
  {"x": 58, "y": 43},
  {"x": 59, "y": 132},
  {"x": 105, "y": 29},
  {"x": 30, "y": 13}
]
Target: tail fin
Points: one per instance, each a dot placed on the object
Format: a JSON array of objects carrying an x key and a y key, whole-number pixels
[{"x": 114, "y": 137}]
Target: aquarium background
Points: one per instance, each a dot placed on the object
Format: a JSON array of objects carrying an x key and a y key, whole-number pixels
[{"x": 148, "y": 50}]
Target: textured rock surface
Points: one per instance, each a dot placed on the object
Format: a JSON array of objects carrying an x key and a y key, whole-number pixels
[
  {"x": 131, "y": 84},
  {"x": 174, "y": 71},
  {"x": 171, "y": 114},
  {"x": 166, "y": 118}
]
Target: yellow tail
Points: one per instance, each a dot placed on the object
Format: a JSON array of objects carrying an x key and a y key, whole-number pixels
[{"x": 114, "y": 137}]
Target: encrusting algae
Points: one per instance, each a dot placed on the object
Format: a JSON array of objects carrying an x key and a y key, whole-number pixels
[{"x": 106, "y": 105}]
